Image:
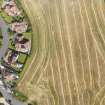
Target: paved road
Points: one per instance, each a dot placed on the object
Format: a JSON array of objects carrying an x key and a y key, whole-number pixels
[
  {"x": 5, "y": 42},
  {"x": 4, "y": 29}
]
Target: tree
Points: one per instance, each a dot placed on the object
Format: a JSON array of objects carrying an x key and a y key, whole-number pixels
[
  {"x": 1, "y": 95},
  {"x": 33, "y": 103}
]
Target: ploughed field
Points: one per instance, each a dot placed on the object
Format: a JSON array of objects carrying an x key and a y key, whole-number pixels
[{"x": 67, "y": 64}]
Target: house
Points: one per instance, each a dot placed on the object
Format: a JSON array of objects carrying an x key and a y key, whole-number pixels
[
  {"x": 10, "y": 8},
  {"x": 10, "y": 76},
  {"x": 22, "y": 44},
  {"x": 19, "y": 27},
  {"x": 11, "y": 58}
]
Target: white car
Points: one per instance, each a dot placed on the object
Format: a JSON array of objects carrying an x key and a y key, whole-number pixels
[
  {"x": 1, "y": 83},
  {"x": 2, "y": 67}
]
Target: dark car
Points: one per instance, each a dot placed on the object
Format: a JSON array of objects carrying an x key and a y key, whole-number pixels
[{"x": 9, "y": 101}]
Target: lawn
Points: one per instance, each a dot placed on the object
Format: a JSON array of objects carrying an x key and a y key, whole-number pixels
[
  {"x": 7, "y": 18},
  {"x": 27, "y": 35},
  {"x": 11, "y": 33},
  {"x": 22, "y": 58},
  {"x": 11, "y": 46}
]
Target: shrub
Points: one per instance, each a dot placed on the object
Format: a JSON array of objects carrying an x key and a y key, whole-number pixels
[
  {"x": 1, "y": 94},
  {"x": 20, "y": 96}
]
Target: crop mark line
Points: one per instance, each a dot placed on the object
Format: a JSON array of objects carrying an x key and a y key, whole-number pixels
[
  {"x": 94, "y": 12},
  {"x": 102, "y": 14},
  {"x": 94, "y": 45},
  {"x": 101, "y": 102},
  {"x": 92, "y": 36},
  {"x": 84, "y": 33},
  {"x": 76, "y": 30},
  {"x": 59, "y": 72},
  {"x": 52, "y": 74},
  {"x": 88, "y": 54},
  {"x": 98, "y": 68},
  {"x": 102, "y": 38}
]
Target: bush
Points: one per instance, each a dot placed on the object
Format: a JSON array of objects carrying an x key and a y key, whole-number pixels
[
  {"x": 33, "y": 103},
  {"x": 18, "y": 19},
  {"x": 1, "y": 34},
  {"x": 20, "y": 96},
  {"x": 1, "y": 94}
]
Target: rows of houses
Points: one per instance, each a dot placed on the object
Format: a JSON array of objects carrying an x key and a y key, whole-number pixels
[{"x": 14, "y": 59}]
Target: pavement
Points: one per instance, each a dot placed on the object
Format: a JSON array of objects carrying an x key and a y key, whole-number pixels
[{"x": 5, "y": 91}]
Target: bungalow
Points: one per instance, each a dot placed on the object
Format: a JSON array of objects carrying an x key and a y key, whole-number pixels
[
  {"x": 19, "y": 27},
  {"x": 10, "y": 8}
]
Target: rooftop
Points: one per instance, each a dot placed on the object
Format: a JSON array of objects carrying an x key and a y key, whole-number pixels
[
  {"x": 10, "y": 8},
  {"x": 22, "y": 44},
  {"x": 19, "y": 27}
]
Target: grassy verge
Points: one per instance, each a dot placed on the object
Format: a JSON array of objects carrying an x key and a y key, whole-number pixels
[
  {"x": 22, "y": 58},
  {"x": 8, "y": 19}
]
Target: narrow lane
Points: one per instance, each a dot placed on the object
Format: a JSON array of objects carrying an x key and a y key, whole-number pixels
[{"x": 4, "y": 29}]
